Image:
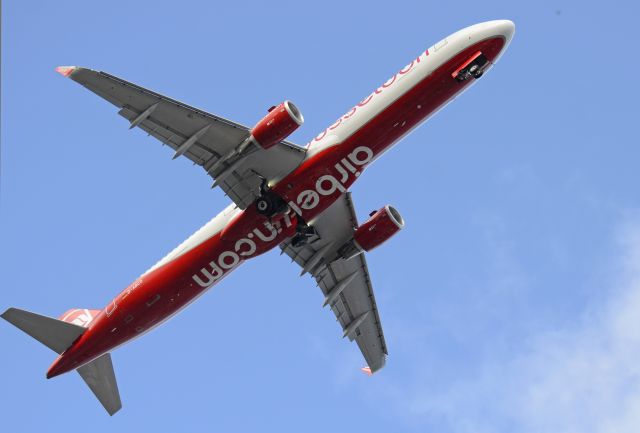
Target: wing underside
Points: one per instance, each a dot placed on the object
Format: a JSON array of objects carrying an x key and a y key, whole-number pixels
[
  {"x": 201, "y": 137},
  {"x": 345, "y": 284}
]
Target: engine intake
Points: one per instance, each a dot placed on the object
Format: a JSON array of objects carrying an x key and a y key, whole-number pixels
[
  {"x": 379, "y": 228},
  {"x": 281, "y": 121}
]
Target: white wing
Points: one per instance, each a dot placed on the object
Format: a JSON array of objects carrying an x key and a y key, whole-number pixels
[
  {"x": 345, "y": 283},
  {"x": 196, "y": 134}
]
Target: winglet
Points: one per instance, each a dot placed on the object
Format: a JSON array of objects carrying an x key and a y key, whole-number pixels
[
  {"x": 367, "y": 371},
  {"x": 65, "y": 71}
]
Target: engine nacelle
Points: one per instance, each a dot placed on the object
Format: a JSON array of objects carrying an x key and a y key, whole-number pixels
[
  {"x": 281, "y": 121},
  {"x": 382, "y": 225}
]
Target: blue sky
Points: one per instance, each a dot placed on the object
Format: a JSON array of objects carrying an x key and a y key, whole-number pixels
[{"x": 511, "y": 301}]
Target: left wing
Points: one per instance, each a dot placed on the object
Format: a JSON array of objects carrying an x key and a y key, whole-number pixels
[
  {"x": 202, "y": 137},
  {"x": 345, "y": 283}
]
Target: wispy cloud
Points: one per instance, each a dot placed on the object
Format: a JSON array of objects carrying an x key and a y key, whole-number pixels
[{"x": 582, "y": 378}]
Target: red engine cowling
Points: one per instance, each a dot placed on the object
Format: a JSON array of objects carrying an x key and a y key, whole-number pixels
[
  {"x": 380, "y": 227},
  {"x": 281, "y": 121}
]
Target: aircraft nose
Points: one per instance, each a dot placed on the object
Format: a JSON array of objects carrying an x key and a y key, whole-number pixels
[
  {"x": 505, "y": 28},
  {"x": 499, "y": 28}
]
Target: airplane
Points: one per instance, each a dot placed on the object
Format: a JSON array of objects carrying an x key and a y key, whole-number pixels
[{"x": 283, "y": 195}]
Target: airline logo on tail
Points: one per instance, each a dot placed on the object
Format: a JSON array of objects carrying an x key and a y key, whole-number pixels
[{"x": 81, "y": 317}]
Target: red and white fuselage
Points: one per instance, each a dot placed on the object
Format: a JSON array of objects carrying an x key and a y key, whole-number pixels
[{"x": 335, "y": 159}]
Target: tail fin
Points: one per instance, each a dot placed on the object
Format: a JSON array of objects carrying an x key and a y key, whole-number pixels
[
  {"x": 99, "y": 375},
  {"x": 80, "y": 316},
  {"x": 55, "y": 334}
]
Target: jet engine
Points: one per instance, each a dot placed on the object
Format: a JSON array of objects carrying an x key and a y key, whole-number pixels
[
  {"x": 380, "y": 227},
  {"x": 281, "y": 121},
  {"x": 277, "y": 125}
]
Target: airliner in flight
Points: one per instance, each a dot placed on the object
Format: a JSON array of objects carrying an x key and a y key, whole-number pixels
[{"x": 287, "y": 196}]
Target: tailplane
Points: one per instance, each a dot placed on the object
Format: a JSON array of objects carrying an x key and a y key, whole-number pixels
[
  {"x": 59, "y": 335},
  {"x": 55, "y": 334},
  {"x": 99, "y": 375}
]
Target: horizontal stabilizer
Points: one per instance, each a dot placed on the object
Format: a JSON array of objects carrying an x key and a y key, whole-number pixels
[
  {"x": 55, "y": 334},
  {"x": 366, "y": 370},
  {"x": 99, "y": 375}
]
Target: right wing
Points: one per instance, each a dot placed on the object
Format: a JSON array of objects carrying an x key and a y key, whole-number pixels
[
  {"x": 202, "y": 137},
  {"x": 346, "y": 284}
]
